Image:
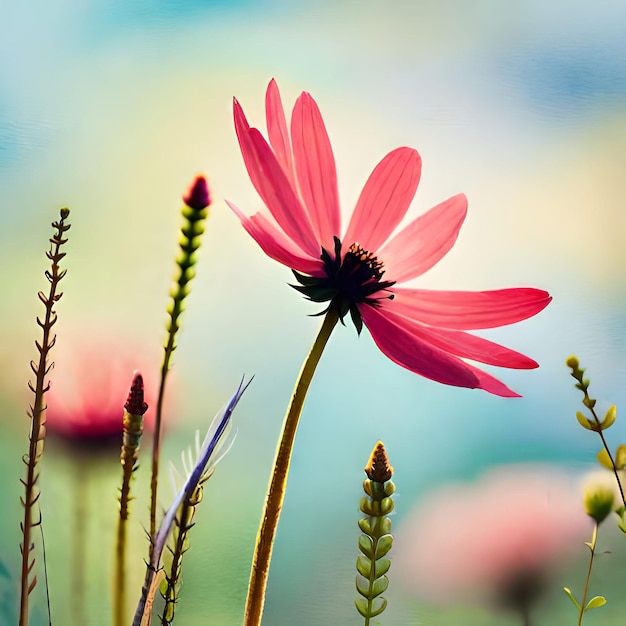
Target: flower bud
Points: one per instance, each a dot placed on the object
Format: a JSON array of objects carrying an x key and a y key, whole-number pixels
[
  {"x": 197, "y": 197},
  {"x": 598, "y": 500}
]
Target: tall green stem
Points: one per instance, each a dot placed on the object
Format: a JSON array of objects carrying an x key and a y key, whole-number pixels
[{"x": 278, "y": 483}]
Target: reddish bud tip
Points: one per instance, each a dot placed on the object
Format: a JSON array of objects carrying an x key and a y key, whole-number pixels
[
  {"x": 135, "y": 404},
  {"x": 378, "y": 468},
  {"x": 197, "y": 197}
]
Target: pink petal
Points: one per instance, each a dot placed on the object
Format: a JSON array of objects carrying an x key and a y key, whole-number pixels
[
  {"x": 425, "y": 241},
  {"x": 272, "y": 185},
  {"x": 315, "y": 169},
  {"x": 470, "y": 310},
  {"x": 461, "y": 344},
  {"x": 277, "y": 130},
  {"x": 491, "y": 384},
  {"x": 405, "y": 349},
  {"x": 385, "y": 199},
  {"x": 401, "y": 344},
  {"x": 276, "y": 244}
]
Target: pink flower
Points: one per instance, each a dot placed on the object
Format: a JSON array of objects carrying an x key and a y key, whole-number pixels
[
  {"x": 497, "y": 539},
  {"x": 358, "y": 272},
  {"x": 89, "y": 388}
]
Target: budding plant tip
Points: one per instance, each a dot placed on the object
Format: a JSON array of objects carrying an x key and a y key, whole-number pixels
[{"x": 197, "y": 196}]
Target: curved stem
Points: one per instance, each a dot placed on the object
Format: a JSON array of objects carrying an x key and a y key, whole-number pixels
[{"x": 278, "y": 483}]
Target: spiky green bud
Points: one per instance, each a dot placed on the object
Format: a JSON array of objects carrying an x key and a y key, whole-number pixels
[{"x": 376, "y": 540}]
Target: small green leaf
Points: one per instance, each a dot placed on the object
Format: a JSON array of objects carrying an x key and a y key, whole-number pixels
[
  {"x": 386, "y": 506},
  {"x": 363, "y": 586},
  {"x": 609, "y": 418},
  {"x": 366, "y": 546},
  {"x": 620, "y": 456},
  {"x": 364, "y": 566},
  {"x": 361, "y": 606},
  {"x": 365, "y": 526},
  {"x": 379, "y": 586},
  {"x": 366, "y": 506},
  {"x": 571, "y": 597},
  {"x": 583, "y": 421},
  {"x": 378, "y": 606},
  {"x": 604, "y": 459},
  {"x": 390, "y": 488},
  {"x": 383, "y": 546},
  {"x": 385, "y": 526},
  {"x": 595, "y": 602}
]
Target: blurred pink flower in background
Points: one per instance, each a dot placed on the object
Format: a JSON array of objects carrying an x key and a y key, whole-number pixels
[
  {"x": 90, "y": 384},
  {"x": 421, "y": 330},
  {"x": 497, "y": 540}
]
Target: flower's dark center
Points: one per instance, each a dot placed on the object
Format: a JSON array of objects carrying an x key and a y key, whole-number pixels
[{"x": 351, "y": 279}]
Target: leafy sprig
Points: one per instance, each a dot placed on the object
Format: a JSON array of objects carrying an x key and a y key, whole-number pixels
[
  {"x": 376, "y": 540},
  {"x": 37, "y": 412},
  {"x": 596, "y": 425},
  {"x": 195, "y": 212}
]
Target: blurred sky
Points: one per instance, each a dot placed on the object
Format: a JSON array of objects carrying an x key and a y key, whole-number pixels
[{"x": 111, "y": 108}]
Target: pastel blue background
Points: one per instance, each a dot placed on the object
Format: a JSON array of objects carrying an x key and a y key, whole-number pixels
[{"x": 111, "y": 108}]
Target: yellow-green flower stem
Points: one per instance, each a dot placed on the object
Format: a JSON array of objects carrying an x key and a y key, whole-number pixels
[
  {"x": 278, "y": 483},
  {"x": 133, "y": 429},
  {"x": 592, "y": 549},
  {"x": 191, "y": 232},
  {"x": 37, "y": 412}
]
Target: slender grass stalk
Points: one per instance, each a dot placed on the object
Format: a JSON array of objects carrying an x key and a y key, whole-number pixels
[
  {"x": 592, "y": 552},
  {"x": 194, "y": 213},
  {"x": 81, "y": 497},
  {"x": 134, "y": 409},
  {"x": 278, "y": 482},
  {"x": 37, "y": 413},
  {"x": 596, "y": 601}
]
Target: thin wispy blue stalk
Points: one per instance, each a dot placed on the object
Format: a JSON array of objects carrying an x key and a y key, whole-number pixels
[{"x": 206, "y": 460}]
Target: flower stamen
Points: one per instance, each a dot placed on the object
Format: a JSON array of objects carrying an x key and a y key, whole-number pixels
[{"x": 348, "y": 280}]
